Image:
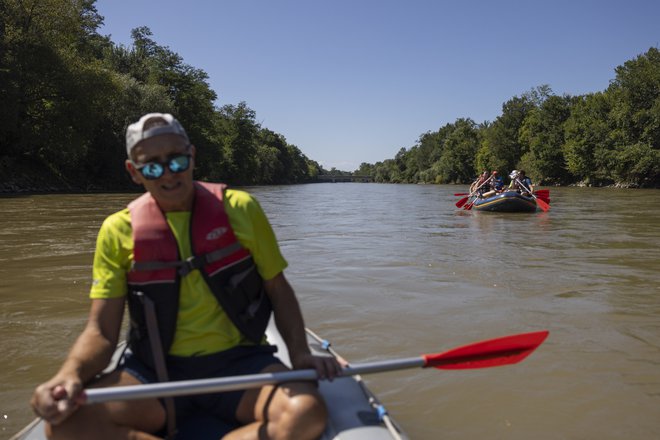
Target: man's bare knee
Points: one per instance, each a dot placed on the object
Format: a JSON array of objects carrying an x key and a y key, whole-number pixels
[
  {"x": 112, "y": 420},
  {"x": 314, "y": 412},
  {"x": 303, "y": 416},
  {"x": 94, "y": 424},
  {"x": 84, "y": 423}
]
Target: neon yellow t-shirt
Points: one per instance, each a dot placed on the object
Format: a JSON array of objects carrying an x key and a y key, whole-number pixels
[{"x": 202, "y": 325}]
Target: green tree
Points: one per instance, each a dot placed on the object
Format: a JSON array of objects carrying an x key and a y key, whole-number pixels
[
  {"x": 543, "y": 134},
  {"x": 239, "y": 143},
  {"x": 366, "y": 169},
  {"x": 635, "y": 118},
  {"x": 588, "y": 146},
  {"x": 501, "y": 149},
  {"x": 54, "y": 88},
  {"x": 456, "y": 163},
  {"x": 298, "y": 173},
  {"x": 637, "y": 165},
  {"x": 636, "y": 93},
  {"x": 272, "y": 157}
]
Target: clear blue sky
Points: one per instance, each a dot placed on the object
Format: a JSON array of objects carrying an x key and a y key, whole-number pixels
[{"x": 352, "y": 81}]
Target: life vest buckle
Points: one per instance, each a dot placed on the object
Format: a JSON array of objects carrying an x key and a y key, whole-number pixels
[{"x": 190, "y": 264}]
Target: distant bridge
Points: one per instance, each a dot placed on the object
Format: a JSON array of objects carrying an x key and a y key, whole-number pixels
[{"x": 344, "y": 178}]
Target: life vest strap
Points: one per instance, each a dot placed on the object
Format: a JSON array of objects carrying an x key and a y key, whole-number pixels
[
  {"x": 184, "y": 267},
  {"x": 159, "y": 360}
]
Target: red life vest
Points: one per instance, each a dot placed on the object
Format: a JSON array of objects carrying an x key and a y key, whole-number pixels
[{"x": 226, "y": 266}]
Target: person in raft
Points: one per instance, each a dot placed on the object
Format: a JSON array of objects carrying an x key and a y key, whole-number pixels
[
  {"x": 527, "y": 187},
  {"x": 496, "y": 184},
  {"x": 520, "y": 182},
  {"x": 201, "y": 271},
  {"x": 480, "y": 185}
]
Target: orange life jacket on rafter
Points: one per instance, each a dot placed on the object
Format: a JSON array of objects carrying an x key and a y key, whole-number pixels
[{"x": 226, "y": 266}]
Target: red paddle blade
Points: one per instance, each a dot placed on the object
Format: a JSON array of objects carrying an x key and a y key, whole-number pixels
[
  {"x": 491, "y": 353},
  {"x": 461, "y": 202},
  {"x": 544, "y": 206},
  {"x": 461, "y": 194},
  {"x": 542, "y": 192}
]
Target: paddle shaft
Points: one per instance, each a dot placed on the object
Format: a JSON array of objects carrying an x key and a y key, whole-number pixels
[
  {"x": 224, "y": 384},
  {"x": 479, "y": 187},
  {"x": 529, "y": 190},
  {"x": 544, "y": 206},
  {"x": 504, "y": 350},
  {"x": 462, "y": 201}
]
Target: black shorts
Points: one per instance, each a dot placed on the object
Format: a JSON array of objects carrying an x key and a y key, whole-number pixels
[{"x": 212, "y": 408}]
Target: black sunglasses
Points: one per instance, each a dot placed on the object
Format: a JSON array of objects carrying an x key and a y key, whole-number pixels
[{"x": 177, "y": 163}]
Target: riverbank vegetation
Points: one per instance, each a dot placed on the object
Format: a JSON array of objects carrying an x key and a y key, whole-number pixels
[
  {"x": 67, "y": 93},
  {"x": 605, "y": 138}
]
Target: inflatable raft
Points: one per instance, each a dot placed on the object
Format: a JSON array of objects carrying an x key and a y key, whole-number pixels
[{"x": 508, "y": 201}]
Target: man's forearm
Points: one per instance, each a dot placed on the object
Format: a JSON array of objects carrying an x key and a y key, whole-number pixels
[
  {"x": 89, "y": 355},
  {"x": 291, "y": 326},
  {"x": 288, "y": 315}
]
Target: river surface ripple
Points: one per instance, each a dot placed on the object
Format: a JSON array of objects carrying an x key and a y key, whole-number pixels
[{"x": 390, "y": 271}]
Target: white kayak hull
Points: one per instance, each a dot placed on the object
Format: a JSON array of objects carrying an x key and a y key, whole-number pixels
[{"x": 354, "y": 411}]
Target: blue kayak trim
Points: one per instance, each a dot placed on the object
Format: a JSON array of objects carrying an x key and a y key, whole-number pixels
[{"x": 508, "y": 201}]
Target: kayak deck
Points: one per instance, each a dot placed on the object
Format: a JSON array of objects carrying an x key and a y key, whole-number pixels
[{"x": 354, "y": 412}]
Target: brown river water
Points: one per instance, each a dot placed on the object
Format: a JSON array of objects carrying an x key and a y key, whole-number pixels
[{"x": 391, "y": 271}]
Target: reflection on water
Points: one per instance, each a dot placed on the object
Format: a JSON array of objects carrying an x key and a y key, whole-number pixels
[{"x": 387, "y": 271}]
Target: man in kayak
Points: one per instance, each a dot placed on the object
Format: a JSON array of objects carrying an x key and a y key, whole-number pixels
[{"x": 201, "y": 271}]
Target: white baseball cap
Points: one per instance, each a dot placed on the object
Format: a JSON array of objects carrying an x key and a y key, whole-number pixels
[{"x": 157, "y": 124}]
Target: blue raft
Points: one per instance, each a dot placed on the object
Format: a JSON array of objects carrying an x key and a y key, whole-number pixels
[{"x": 508, "y": 201}]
